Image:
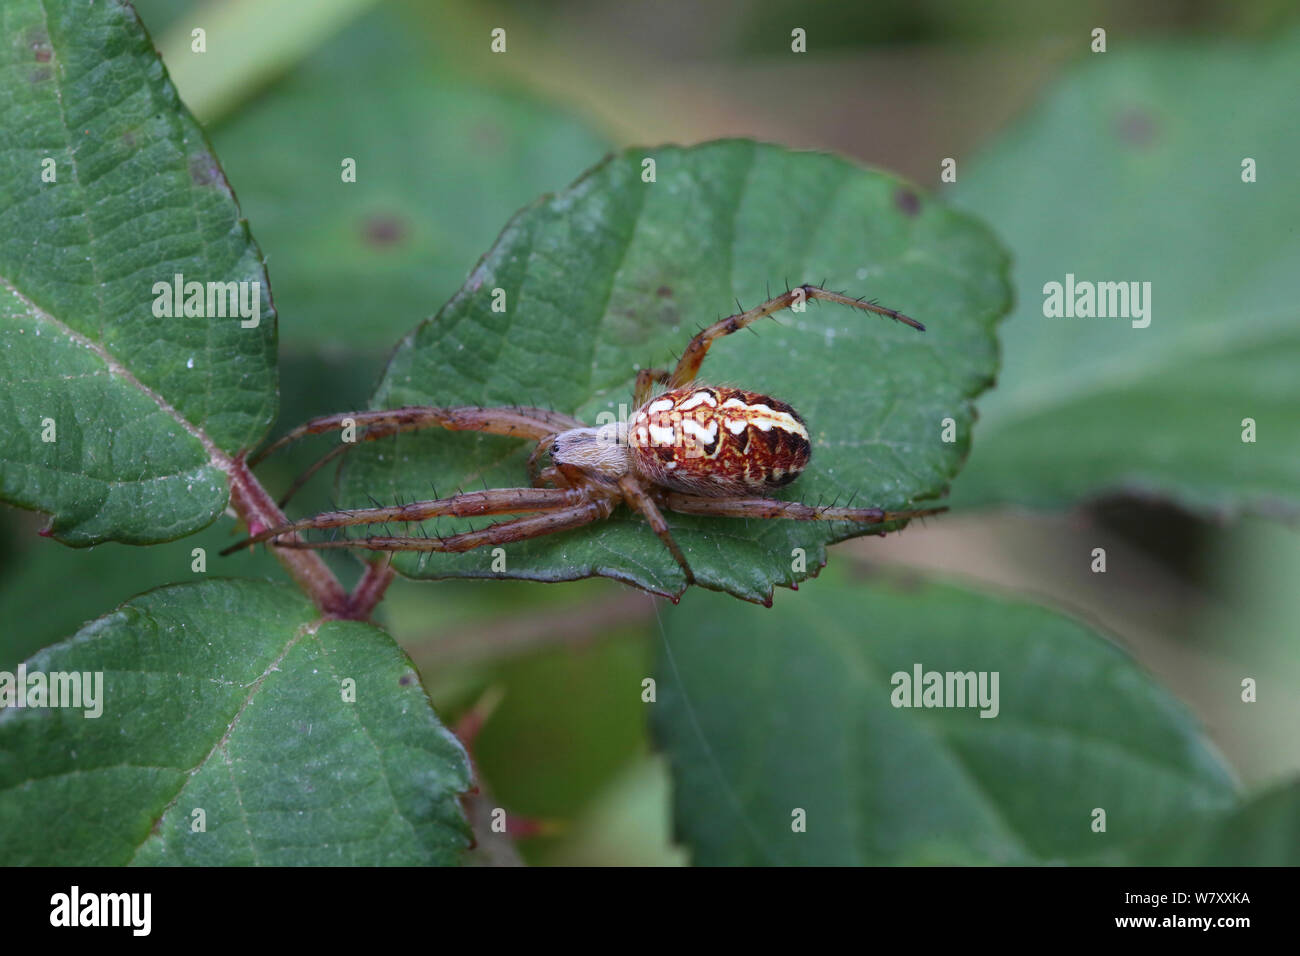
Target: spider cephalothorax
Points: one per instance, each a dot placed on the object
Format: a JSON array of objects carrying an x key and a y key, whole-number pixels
[{"x": 691, "y": 448}]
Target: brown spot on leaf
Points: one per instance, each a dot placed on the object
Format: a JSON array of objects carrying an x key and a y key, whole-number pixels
[
  {"x": 1136, "y": 127},
  {"x": 384, "y": 230},
  {"x": 908, "y": 202},
  {"x": 40, "y": 44},
  {"x": 406, "y": 680},
  {"x": 663, "y": 292},
  {"x": 488, "y": 137}
]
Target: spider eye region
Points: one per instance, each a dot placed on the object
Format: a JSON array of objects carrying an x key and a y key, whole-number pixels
[{"x": 718, "y": 441}]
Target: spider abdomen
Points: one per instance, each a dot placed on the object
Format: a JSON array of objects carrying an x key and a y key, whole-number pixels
[{"x": 718, "y": 441}]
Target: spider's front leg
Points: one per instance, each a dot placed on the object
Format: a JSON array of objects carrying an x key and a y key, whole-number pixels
[
  {"x": 470, "y": 504},
  {"x": 587, "y": 512},
  {"x": 534, "y": 423},
  {"x": 688, "y": 366}
]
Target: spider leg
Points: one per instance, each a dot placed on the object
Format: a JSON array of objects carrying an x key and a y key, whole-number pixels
[
  {"x": 534, "y": 423},
  {"x": 470, "y": 504},
  {"x": 636, "y": 497},
  {"x": 646, "y": 380},
  {"x": 503, "y": 532},
  {"x": 688, "y": 367},
  {"x": 311, "y": 470},
  {"x": 792, "y": 510}
]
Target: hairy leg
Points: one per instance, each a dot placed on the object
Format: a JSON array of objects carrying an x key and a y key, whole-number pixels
[
  {"x": 792, "y": 510},
  {"x": 637, "y": 499},
  {"x": 689, "y": 365},
  {"x": 646, "y": 380},
  {"x": 468, "y": 505},
  {"x": 505, "y": 532}
]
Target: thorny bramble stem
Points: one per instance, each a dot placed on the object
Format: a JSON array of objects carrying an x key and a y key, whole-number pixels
[
  {"x": 369, "y": 590},
  {"x": 258, "y": 510}
]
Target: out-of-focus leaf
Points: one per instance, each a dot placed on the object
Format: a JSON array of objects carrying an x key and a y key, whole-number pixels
[
  {"x": 616, "y": 273},
  {"x": 440, "y": 165},
  {"x": 764, "y": 713},
  {"x": 118, "y": 422},
  {"x": 87, "y": 580},
  {"x": 1263, "y": 831},
  {"x": 1132, "y": 172},
  {"x": 545, "y": 753},
  {"x": 230, "y": 697},
  {"x": 246, "y": 43}
]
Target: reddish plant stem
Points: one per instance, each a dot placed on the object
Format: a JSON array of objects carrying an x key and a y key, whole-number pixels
[
  {"x": 259, "y": 511},
  {"x": 369, "y": 590}
]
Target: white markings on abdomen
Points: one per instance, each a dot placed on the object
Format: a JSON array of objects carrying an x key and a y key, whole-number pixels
[
  {"x": 763, "y": 417},
  {"x": 699, "y": 398}
]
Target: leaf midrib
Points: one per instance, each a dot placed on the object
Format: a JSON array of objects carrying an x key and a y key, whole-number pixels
[
  {"x": 216, "y": 456},
  {"x": 308, "y": 629}
]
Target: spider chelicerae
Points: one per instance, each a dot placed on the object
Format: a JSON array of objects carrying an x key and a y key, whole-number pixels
[{"x": 690, "y": 447}]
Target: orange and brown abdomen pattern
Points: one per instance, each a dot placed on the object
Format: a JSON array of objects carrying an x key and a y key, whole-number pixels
[{"x": 716, "y": 441}]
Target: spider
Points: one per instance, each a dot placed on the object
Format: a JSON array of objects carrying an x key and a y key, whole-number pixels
[{"x": 690, "y": 448}]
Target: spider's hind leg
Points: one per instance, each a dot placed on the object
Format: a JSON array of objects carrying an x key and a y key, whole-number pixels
[
  {"x": 646, "y": 380},
  {"x": 688, "y": 366}
]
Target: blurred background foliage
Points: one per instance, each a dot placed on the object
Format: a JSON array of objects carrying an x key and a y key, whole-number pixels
[{"x": 452, "y": 140}]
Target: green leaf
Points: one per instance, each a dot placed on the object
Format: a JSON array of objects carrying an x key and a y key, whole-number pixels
[
  {"x": 440, "y": 165},
  {"x": 762, "y": 712},
  {"x": 104, "y": 575},
  {"x": 1264, "y": 831},
  {"x": 255, "y": 39},
  {"x": 145, "y": 411},
  {"x": 1132, "y": 171},
  {"x": 227, "y": 696},
  {"x": 616, "y": 273}
]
